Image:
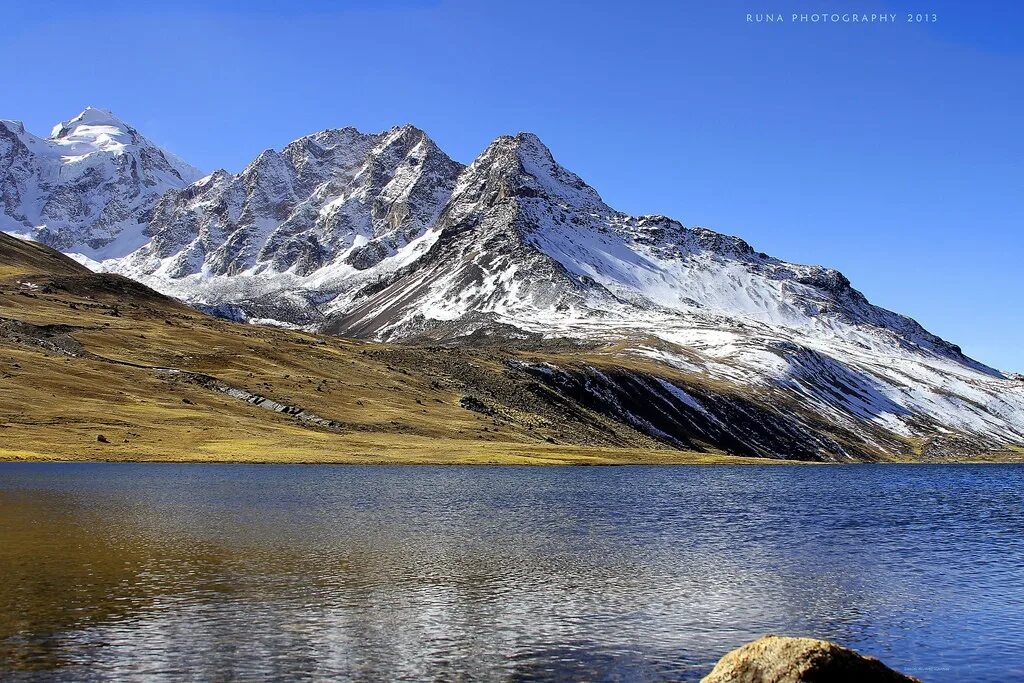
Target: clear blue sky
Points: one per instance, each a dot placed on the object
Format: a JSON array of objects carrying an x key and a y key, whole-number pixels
[{"x": 892, "y": 152}]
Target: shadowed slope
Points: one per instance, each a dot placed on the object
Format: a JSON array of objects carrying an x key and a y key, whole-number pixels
[{"x": 21, "y": 257}]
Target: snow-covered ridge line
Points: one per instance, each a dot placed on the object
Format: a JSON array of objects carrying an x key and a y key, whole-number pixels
[
  {"x": 88, "y": 188},
  {"x": 382, "y": 235}
]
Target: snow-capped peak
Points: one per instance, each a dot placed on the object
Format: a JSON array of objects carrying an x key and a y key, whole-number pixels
[
  {"x": 94, "y": 130},
  {"x": 522, "y": 166},
  {"x": 90, "y": 117},
  {"x": 524, "y": 144},
  {"x": 89, "y": 187},
  {"x": 338, "y": 198}
]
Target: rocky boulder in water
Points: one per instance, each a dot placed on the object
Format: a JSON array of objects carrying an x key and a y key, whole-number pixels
[{"x": 775, "y": 659}]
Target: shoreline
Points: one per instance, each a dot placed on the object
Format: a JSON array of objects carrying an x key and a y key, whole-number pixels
[
  {"x": 711, "y": 460},
  {"x": 519, "y": 460}
]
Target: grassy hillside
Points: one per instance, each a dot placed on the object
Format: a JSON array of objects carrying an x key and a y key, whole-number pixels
[
  {"x": 19, "y": 257},
  {"x": 100, "y": 367}
]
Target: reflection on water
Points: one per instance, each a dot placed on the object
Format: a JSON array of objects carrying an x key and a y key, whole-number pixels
[{"x": 402, "y": 573}]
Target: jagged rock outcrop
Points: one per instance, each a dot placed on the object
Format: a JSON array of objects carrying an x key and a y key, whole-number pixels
[{"x": 339, "y": 197}]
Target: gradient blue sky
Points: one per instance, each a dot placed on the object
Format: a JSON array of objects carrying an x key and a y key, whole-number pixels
[{"x": 894, "y": 153}]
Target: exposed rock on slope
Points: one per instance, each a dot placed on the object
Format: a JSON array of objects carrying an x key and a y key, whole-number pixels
[{"x": 299, "y": 224}]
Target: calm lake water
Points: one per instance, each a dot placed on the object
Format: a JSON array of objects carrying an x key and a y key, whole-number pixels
[{"x": 218, "y": 572}]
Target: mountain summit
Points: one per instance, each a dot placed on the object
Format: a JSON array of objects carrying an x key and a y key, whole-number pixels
[
  {"x": 382, "y": 235},
  {"x": 83, "y": 126},
  {"x": 88, "y": 188}
]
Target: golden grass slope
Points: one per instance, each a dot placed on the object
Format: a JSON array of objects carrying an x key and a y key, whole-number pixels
[{"x": 82, "y": 359}]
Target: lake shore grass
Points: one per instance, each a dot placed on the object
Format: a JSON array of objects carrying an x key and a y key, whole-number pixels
[
  {"x": 349, "y": 451},
  {"x": 413, "y": 452}
]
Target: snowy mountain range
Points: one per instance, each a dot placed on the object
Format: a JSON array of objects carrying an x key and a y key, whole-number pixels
[{"x": 384, "y": 236}]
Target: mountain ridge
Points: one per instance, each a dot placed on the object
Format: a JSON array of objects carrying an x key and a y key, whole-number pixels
[{"x": 383, "y": 236}]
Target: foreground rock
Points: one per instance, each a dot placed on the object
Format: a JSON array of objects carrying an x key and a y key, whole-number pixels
[{"x": 774, "y": 659}]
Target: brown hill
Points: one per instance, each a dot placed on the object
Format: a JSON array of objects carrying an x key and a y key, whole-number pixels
[
  {"x": 96, "y": 366},
  {"x": 21, "y": 257}
]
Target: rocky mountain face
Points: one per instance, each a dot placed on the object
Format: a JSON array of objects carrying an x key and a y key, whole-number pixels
[
  {"x": 88, "y": 188},
  {"x": 383, "y": 236},
  {"x": 337, "y": 196}
]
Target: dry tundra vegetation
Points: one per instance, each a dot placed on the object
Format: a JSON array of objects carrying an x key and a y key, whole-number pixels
[{"x": 98, "y": 367}]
